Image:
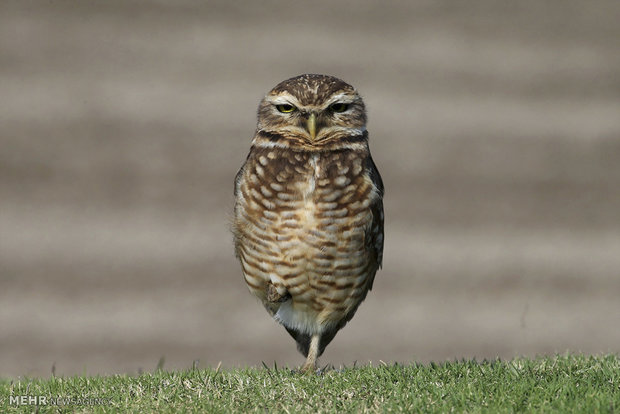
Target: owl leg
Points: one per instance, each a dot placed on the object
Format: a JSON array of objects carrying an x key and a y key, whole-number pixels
[{"x": 313, "y": 353}]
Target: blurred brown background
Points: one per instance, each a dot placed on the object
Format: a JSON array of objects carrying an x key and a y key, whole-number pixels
[{"x": 496, "y": 127}]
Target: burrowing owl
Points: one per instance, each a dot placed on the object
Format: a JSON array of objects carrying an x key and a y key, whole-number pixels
[{"x": 308, "y": 219}]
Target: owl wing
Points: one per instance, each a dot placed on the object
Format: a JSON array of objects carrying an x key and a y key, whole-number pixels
[
  {"x": 374, "y": 232},
  {"x": 236, "y": 193}
]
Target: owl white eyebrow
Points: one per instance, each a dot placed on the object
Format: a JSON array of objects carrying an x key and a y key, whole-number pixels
[
  {"x": 284, "y": 100},
  {"x": 341, "y": 98},
  {"x": 281, "y": 102}
]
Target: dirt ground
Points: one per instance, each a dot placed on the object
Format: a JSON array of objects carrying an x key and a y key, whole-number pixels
[{"x": 495, "y": 125}]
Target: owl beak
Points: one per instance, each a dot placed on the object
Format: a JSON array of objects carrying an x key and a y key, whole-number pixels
[{"x": 312, "y": 126}]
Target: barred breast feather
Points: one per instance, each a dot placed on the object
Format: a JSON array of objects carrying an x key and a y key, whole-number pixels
[{"x": 310, "y": 224}]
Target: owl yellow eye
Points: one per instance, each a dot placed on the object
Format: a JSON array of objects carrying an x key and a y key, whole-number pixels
[
  {"x": 339, "y": 107},
  {"x": 285, "y": 108}
]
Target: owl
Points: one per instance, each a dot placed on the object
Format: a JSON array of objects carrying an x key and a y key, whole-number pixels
[{"x": 308, "y": 215}]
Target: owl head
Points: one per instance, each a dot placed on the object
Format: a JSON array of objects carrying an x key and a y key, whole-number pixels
[{"x": 311, "y": 111}]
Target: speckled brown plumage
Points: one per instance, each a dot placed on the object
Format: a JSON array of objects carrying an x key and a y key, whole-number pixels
[{"x": 308, "y": 220}]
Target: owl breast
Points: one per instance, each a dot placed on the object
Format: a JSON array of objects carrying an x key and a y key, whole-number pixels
[{"x": 302, "y": 224}]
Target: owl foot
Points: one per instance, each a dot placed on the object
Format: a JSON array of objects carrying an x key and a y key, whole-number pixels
[
  {"x": 274, "y": 296},
  {"x": 308, "y": 369}
]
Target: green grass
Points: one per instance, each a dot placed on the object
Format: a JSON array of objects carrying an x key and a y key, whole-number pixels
[{"x": 568, "y": 383}]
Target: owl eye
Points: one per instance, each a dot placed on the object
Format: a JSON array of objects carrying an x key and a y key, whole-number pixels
[
  {"x": 285, "y": 108},
  {"x": 339, "y": 107}
]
